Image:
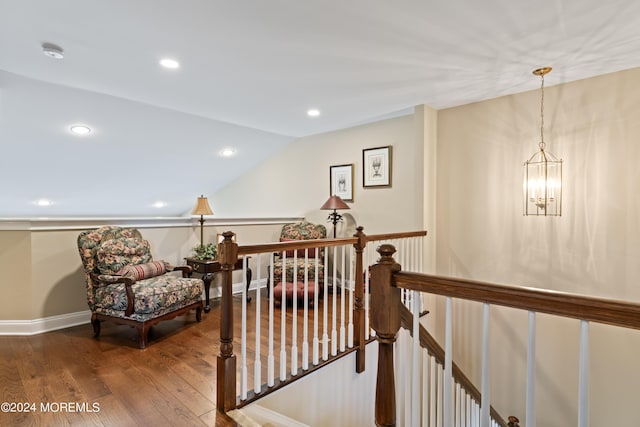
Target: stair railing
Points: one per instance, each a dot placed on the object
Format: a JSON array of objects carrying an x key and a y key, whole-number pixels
[
  {"x": 387, "y": 283},
  {"x": 341, "y": 326}
]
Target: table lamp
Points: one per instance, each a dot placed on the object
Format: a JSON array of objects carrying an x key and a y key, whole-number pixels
[
  {"x": 334, "y": 202},
  {"x": 202, "y": 208}
]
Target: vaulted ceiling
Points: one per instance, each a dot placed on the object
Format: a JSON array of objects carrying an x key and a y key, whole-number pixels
[{"x": 249, "y": 71}]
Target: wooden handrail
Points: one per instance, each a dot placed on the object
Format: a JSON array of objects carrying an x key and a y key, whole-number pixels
[
  {"x": 293, "y": 245},
  {"x": 611, "y": 312},
  {"x": 428, "y": 342},
  {"x": 321, "y": 243},
  {"x": 391, "y": 236}
]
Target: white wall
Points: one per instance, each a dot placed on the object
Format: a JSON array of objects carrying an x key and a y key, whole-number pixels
[
  {"x": 592, "y": 249},
  {"x": 135, "y": 156},
  {"x": 333, "y": 396}
]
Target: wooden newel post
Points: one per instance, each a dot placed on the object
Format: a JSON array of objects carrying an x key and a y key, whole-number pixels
[
  {"x": 385, "y": 320},
  {"x": 358, "y": 308},
  {"x": 226, "y": 381}
]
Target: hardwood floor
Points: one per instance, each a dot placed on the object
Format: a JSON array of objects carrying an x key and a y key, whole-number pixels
[{"x": 110, "y": 381}]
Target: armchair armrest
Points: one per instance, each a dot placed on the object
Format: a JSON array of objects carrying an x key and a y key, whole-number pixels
[
  {"x": 186, "y": 270},
  {"x": 107, "y": 279}
]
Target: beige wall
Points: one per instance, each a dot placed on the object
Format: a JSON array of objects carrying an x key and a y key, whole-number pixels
[
  {"x": 41, "y": 272},
  {"x": 296, "y": 180},
  {"x": 592, "y": 249},
  {"x": 15, "y": 275}
]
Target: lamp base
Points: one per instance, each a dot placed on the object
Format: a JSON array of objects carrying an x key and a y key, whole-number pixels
[{"x": 334, "y": 217}]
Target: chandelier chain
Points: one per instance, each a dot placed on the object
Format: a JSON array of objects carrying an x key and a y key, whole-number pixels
[{"x": 542, "y": 114}]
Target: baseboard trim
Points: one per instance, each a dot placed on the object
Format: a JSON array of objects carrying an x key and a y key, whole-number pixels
[
  {"x": 45, "y": 324},
  {"x": 214, "y": 292},
  {"x": 62, "y": 321}
]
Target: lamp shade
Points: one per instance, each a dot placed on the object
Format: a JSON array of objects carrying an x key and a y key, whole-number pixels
[
  {"x": 202, "y": 207},
  {"x": 334, "y": 202}
]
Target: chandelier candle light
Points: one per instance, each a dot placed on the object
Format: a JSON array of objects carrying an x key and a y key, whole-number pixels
[{"x": 542, "y": 172}]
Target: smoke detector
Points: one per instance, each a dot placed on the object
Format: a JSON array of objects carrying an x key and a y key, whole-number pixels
[{"x": 52, "y": 51}]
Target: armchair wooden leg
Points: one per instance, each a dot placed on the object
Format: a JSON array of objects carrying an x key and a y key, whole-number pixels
[
  {"x": 143, "y": 332},
  {"x": 199, "y": 313},
  {"x": 96, "y": 326}
]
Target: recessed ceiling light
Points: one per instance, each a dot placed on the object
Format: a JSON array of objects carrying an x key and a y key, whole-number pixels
[
  {"x": 313, "y": 112},
  {"x": 169, "y": 63},
  {"x": 80, "y": 129},
  {"x": 159, "y": 204},
  {"x": 227, "y": 152},
  {"x": 43, "y": 202},
  {"x": 52, "y": 51}
]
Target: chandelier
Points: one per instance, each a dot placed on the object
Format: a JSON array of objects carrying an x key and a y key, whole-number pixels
[{"x": 542, "y": 172}]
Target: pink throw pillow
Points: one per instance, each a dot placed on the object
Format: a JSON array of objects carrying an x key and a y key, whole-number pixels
[{"x": 144, "y": 271}]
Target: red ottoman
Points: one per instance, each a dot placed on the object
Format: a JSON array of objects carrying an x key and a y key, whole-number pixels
[{"x": 293, "y": 290}]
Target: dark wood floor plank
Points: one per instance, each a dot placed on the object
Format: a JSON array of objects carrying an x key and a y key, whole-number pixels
[
  {"x": 114, "y": 413},
  {"x": 171, "y": 382},
  {"x": 147, "y": 401},
  {"x": 179, "y": 388}
]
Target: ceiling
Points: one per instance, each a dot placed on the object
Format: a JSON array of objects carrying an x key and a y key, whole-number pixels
[{"x": 249, "y": 72}]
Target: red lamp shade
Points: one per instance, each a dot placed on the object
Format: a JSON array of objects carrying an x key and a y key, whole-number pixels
[{"x": 334, "y": 202}]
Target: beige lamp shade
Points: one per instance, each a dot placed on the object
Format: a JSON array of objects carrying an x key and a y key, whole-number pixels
[{"x": 202, "y": 207}]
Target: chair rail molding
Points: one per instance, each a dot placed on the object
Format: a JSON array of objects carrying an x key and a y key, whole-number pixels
[{"x": 81, "y": 223}]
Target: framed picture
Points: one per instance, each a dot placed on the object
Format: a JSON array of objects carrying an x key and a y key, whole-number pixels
[
  {"x": 341, "y": 182},
  {"x": 376, "y": 167}
]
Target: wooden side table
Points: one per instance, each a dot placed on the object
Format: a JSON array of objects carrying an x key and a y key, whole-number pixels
[{"x": 207, "y": 268}]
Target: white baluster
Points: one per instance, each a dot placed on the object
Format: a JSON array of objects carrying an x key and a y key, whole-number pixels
[
  {"x": 243, "y": 339},
  {"x": 325, "y": 307},
  {"x": 283, "y": 320},
  {"x": 343, "y": 330},
  {"x": 351, "y": 296},
  {"x": 448, "y": 364},
  {"x": 485, "y": 389},
  {"x": 583, "y": 376},
  {"x": 271, "y": 357},
  {"x": 257, "y": 368},
  {"x": 305, "y": 323},
  {"x": 424, "y": 404},
  {"x": 316, "y": 342},
  {"x": 458, "y": 408},
  {"x": 294, "y": 317},
  {"x": 530, "y": 419},
  {"x": 464, "y": 413},
  {"x": 440, "y": 399},
  {"x": 416, "y": 376},
  {"x": 433, "y": 391},
  {"x": 334, "y": 306},
  {"x": 476, "y": 414},
  {"x": 367, "y": 257}
]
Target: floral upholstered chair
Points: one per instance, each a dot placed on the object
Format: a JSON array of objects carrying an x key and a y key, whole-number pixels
[
  {"x": 126, "y": 286},
  {"x": 302, "y": 230}
]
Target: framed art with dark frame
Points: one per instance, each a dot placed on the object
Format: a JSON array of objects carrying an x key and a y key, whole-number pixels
[
  {"x": 376, "y": 167},
  {"x": 341, "y": 182}
]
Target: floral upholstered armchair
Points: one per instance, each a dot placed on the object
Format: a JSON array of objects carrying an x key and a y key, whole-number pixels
[
  {"x": 302, "y": 230},
  {"x": 126, "y": 286}
]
